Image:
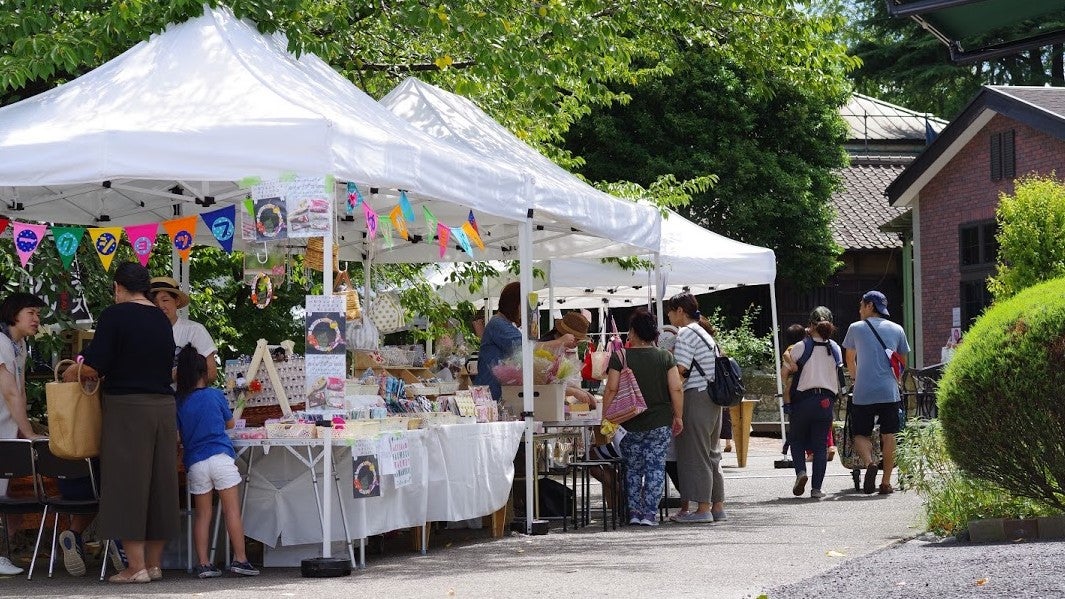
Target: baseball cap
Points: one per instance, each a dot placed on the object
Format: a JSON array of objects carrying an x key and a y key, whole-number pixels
[{"x": 878, "y": 300}]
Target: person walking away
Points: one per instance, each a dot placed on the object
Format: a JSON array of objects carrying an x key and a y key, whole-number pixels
[
  {"x": 876, "y": 390},
  {"x": 698, "y": 451},
  {"x": 203, "y": 416},
  {"x": 813, "y": 368},
  {"x": 648, "y": 434},
  {"x": 20, "y": 318}
]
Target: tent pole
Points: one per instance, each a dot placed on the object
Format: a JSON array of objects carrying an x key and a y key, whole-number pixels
[
  {"x": 776, "y": 359},
  {"x": 659, "y": 290},
  {"x": 525, "y": 256},
  {"x": 550, "y": 298}
]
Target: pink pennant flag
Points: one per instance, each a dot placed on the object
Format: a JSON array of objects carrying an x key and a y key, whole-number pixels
[
  {"x": 371, "y": 220},
  {"x": 142, "y": 238},
  {"x": 27, "y": 239},
  {"x": 443, "y": 233}
]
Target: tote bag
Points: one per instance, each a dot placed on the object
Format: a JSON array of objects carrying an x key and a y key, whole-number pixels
[
  {"x": 386, "y": 312},
  {"x": 629, "y": 402},
  {"x": 74, "y": 416}
]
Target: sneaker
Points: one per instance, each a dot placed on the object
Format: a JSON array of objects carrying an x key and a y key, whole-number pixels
[
  {"x": 676, "y": 517},
  {"x": 719, "y": 516},
  {"x": 648, "y": 522},
  {"x": 155, "y": 573},
  {"x": 634, "y": 521},
  {"x": 800, "y": 484},
  {"x": 243, "y": 568},
  {"x": 9, "y": 569},
  {"x": 207, "y": 571},
  {"x": 696, "y": 518},
  {"x": 73, "y": 556},
  {"x": 118, "y": 556},
  {"x": 816, "y": 494}
]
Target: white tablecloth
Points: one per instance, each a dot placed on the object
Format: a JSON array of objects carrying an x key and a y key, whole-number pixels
[{"x": 460, "y": 471}]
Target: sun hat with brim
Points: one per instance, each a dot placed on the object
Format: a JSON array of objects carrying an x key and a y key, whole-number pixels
[
  {"x": 573, "y": 324},
  {"x": 170, "y": 286}
]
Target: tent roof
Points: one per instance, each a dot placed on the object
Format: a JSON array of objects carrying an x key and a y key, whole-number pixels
[{"x": 551, "y": 191}]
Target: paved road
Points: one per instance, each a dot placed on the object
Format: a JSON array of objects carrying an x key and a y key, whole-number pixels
[{"x": 771, "y": 539}]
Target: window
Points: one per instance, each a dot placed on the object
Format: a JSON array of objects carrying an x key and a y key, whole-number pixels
[
  {"x": 978, "y": 249},
  {"x": 1003, "y": 156}
]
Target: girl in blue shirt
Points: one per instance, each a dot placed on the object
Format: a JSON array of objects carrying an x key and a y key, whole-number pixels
[{"x": 203, "y": 416}]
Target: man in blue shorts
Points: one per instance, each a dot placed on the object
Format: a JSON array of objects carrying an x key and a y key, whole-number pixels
[{"x": 876, "y": 390}]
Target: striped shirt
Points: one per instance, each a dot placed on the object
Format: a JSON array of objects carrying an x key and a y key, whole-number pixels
[{"x": 694, "y": 344}]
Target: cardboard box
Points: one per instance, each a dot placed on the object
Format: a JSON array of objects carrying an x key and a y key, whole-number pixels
[{"x": 548, "y": 401}]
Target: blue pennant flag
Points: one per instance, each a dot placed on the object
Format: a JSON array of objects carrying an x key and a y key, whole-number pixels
[
  {"x": 222, "y": 223},
  {"x": 404, "y": 205},
  {"x": 354, "y": 199},
  {"x": 463, "y": 239}
]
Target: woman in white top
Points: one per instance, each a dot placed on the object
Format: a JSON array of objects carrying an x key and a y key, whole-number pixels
[
  {"x": 698, "y": 451},
  {"x": 817, "y": 359}
]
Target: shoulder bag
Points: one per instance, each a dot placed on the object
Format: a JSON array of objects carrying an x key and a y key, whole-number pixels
[
  {"x": 629, "y": 402},
  {"x": 894, "y": 359},
  {"x": 74, "y": 416}
]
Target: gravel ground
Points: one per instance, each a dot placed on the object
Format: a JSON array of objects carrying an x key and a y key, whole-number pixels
[{"x": 920, "y": 569}]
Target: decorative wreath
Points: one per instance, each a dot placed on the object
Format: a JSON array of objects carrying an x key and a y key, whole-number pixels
[
  {"x": 262, "y": 281},
  {"x": 366, "y": 467},
  {"x": 261, "y": 226},
  {"x": 313, "y": 339}
]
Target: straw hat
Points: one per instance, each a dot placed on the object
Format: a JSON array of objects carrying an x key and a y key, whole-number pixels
[
  {"x": 169, "y": 285},
  {"x": 573, "y": 324}
]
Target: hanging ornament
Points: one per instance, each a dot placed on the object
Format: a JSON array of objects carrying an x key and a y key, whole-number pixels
[{"x": 262, "y": 290}]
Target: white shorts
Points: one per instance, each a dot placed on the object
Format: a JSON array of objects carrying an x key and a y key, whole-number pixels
[{"x": 216, "y": 472}]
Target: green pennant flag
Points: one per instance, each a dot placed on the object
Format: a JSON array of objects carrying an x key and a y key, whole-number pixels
[
  {"x": 430, "y": 222},
  {"x": 67, "y": 240},
  {"x": 385, "y": 226}
]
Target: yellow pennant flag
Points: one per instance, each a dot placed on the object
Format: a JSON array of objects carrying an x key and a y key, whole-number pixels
[
  {"x": 399, "y": 222},
  {"x": 181, "y": 231},
  {"x": 105, "y": 240},
  {"x": 471, "y": 232}
]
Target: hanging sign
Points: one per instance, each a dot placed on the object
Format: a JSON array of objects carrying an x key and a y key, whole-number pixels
[
  {"x": 443, "y": 234},
  {"x": 309, "y": 210},
  {"x": 142, "y": 238},
  {"x": 399, "y": 222},
  {"x": 222, "y": 223},
  {"x": 326, "y": 350},
  {"x": 27, "y": 239},
  {"x": 105, "y": 240},
  {"x": 181, "y": 231},
  {"x": 67, "y": 240},
  {"x": 270, "y": 219}
]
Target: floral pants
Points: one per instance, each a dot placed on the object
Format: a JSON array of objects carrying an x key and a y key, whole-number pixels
[{"x": 644, "y": 453}]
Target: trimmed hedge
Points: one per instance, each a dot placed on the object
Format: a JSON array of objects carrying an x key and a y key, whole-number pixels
[{"x": 1002, "y": 397}]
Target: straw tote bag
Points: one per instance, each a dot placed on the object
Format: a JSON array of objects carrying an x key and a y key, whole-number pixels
[
  {"x": 629, "y": 402},
  {"x": 342, "y": 286},
  {"x": 74, "y": 416}
]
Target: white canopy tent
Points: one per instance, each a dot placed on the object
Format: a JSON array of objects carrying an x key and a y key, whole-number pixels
[{"x": 172, "y": 125}]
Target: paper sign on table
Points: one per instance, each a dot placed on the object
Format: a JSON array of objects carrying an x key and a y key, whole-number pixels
[
  {"x": 366, "y": 478},
  {"x": 384, "y": 454},
  {"x": 401, "y": 459}
]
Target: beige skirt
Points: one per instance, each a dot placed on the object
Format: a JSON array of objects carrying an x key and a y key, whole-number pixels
[{"x": 138, "y": 468}]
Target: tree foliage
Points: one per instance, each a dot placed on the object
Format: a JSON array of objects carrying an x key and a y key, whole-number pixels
[
  {"x": 773, "y": 155},
  {"x": 1031, "y": 236}
]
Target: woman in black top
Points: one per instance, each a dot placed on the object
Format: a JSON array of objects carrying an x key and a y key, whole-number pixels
[{"x": 132, "y": 352}]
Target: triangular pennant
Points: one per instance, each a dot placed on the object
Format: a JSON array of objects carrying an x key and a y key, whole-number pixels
[
  {"x": 399, "y": 222},
  {"x": 27, "y": 239},
  {"x": 430, "y": 221},
  {"x": 354, "y": 198},
  {"x": 249, "y": 205},
  {"x": 404, "y": 203},
  {"x": 464, "y": 241},
  {"x": 4, "y": 221},
  {"x": 386, "y": 232},
  {"x": 142, "y": 238},
  {"x": 223, "y": 226},
  {"x": 181, "y": 231},
  {"x": 473, "y": 222},
  {"x": 371, "y": 220},
  {"x": 443, "y": 234},
  {"x": 472, "y": 233},
  {"x": 105, "y": 240},
  {"x": 66, "y": 241}
]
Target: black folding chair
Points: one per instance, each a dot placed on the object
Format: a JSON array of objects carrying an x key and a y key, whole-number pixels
[
  {"x": 50, "y": 466},
  {"x": 17, "y": 461}
]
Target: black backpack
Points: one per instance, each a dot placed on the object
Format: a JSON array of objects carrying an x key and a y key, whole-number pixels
[
  {"x": 726, "y": 390},
  {"x": 808, "y": 349}
]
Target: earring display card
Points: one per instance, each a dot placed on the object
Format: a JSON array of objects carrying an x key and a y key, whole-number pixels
[{"x": 291, "y": 373}]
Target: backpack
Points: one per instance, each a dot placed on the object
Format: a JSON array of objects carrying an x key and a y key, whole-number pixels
[
  {"x": 807, "y": 351},
  {"x": 726, "y": 390}
]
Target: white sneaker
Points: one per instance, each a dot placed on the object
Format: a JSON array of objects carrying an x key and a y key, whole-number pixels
[
  {"x": 73, "y": 560},
  {"x": 648, "y": 522},
  {"x": 9, "y": 569},
  {"x": 816, "y": 494},
  {"x": 634, "y": 521}
]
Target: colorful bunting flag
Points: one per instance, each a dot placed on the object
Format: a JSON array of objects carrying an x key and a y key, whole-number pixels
[
  {"x": 400, "y": 223},
  {"x": 66, "y": 241},
  {"x": 464, "y": 241},
  {"x": 249, "y": 205},
  {"x": 386, "y": 232},
  {"x": 430, "y": 221},
  {"x": 404, "y": 203},
  {"x": 142, "y": 238},
  {"x": 471, "y": 232},
  {"x": 443, "y": 234},
  {"x": 181, "y": 231},
  {"x": 105, "y": 240},
  {"x": 371, "y": 220},
  {"x": 222, "y": 223},
  {"x": 354, "y": 198},
  {"x": 27, "y": 239},
  {"x": 4, "y": 221},
  {"x": 473, "y": 223}
]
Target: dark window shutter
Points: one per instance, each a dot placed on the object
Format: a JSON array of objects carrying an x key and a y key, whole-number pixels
[
  {"x": 996, "y": 156},
  {"x": 1009, "y": 162}
]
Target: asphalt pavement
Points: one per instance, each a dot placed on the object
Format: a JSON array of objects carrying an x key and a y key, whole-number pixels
[{"x": 771, "y": 540}]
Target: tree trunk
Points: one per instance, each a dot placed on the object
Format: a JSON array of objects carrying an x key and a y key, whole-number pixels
[
  {"x": 1037, "y": 74},
  {"x": 1057, "y": 65}
]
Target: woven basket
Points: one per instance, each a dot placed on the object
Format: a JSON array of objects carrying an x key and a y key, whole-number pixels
[
  {"x": 314, "y": 259},
  {"x": 342, "y": 286}
]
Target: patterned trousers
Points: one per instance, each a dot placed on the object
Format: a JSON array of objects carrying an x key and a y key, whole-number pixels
[{"x": 644, "y": 453}]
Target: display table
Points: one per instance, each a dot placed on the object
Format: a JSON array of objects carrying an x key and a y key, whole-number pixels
[{"x": 459, "y": 472}]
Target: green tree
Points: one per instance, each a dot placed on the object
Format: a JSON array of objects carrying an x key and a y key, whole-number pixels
[
  {"x": 1031, "y": 236},
  {"x": 773, "y": 154}
]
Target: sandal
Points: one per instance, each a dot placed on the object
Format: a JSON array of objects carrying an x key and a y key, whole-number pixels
[{"x": 140, "y": 576}]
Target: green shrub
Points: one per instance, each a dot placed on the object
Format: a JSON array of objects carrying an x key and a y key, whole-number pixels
[
  {"x": 751, "y": 351},
  {"x": 1031, "y": 236},
  {"x": 951, "y": 496},
  {"x": 1002, "y": 397}
]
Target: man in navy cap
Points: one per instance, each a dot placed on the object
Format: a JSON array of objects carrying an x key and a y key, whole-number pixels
[{"x": 875, "y": 349}]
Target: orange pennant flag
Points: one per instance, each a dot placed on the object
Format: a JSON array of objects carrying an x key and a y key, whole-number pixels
[
  {"x": 181, "y": 231},
  {"x": 471, "y": 232},
  {"x": 399, "y": 222}
]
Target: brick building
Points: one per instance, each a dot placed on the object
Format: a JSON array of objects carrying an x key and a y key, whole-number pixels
[{"x": 952, "y": 191}]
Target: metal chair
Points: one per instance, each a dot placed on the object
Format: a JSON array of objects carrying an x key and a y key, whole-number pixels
[
  {"x": 50, "y": 466},
  {"x": 17, "y": 461}
]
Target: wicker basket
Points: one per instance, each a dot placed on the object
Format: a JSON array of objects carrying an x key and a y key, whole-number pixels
[{"x": 315, "y": 256}]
